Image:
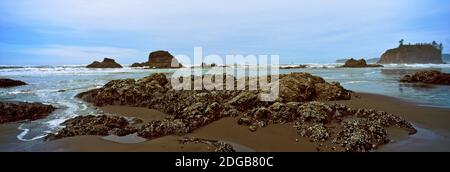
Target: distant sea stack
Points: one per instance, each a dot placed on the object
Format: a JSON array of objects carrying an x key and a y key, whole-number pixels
[
  {"x": 359, "y": 63},
  {"x": 106, "y": 63},
  {"x": 410, "y": 54},
  {"x": 162, "y": 59}
]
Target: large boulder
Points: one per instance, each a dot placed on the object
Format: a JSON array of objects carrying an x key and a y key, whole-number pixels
[
  {"x": 301, "y": 87},
  {"x": 5, "y": 82},
  {"x": 162, "y": 59},
  {"x": 411, "y": 54},
  {"x": 428, "y": 77},
  {"x": 106, "y": 63},
  {"x": 359, "y": 63},
  {"x": 17, "y": 111}
]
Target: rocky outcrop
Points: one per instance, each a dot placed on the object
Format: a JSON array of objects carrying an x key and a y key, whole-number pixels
[
  {"x": 143, "y": 64},
  {"x": 162, "y": 59},
  {"x": 191, "y": 109},
  {"x": 294, "y": 67},
  {"x": 371, "y": 60},
  {"x": 359, "y": 63},
  {"x": 412, "y": 54},
  {"x": 428, "y": 77},
  {"x": 347, "y": 128},
  {"x": 101, "y": 125},
  {"x": 300, "y": 87},
  {"x": 18, "y": 111},
  {"x": 106, "y": 63},
  {"x": 5, "y": 82},
  {"x": 219, "y": 146}
]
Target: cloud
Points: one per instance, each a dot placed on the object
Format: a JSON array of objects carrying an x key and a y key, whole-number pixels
[
  {"x": 81, "y": 52},
  {"x": 292, "y": 28},
  {"x": 67, "y": 54}
]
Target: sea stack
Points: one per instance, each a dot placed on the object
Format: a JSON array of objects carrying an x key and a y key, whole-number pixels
[
  {"x": 413, "y": 54},
  {"x": 359, "y": 63},
  {"x": 162, "y": 59},
  {"x": 106, "y": 63}
]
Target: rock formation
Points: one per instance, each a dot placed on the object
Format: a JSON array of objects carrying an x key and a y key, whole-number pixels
[
  {"x": 101, "y": 125},
  {"x": 106, "y": 63},
  {"x": 294, "y": 67},
  {"x": 410, "y": 54},
  {"x": 4, "y": 83},
  {"x": 219, "y": 146},
  {"x": 347, "y": 129},
  {"x": 17, "y": 111},
  {"x": 143, "y": 64},
  {"x": 162, "y": 59},
  {"x": 359, "y": 63},
  {"x": 428, "y": 77}
]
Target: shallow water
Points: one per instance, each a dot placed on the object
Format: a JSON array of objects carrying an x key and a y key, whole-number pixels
[{"x": 57, "y": 85}]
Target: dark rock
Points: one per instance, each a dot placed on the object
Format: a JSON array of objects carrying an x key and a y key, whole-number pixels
[
  {"x": 4, "y": 83},
  {"x": 143, "y": 64},
  {"x": 158, "y": 128},
  {"x": 359, "y": 63},
  {"x": 412, "y": 54},
  {"x": 17, "y": 111},
  {"x": 361, "y": 135},
  {"x": 428, "y": 77},
  {"x": 101, "y": 125},
  {"x": 300, "y": 87},
  {"x": 219, "y": 146},
  {"x": 295, "y": 67},
  {"x": 315, "y": 132},
  {"x": 191, "y": 109},
  {"x": 318, "y": 121},
  {"x": 162, "y": 59},
  {"x": 106, "y": 63}
]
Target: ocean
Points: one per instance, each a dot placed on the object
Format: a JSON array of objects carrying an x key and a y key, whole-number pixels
[{"x": 57, "y": 85}]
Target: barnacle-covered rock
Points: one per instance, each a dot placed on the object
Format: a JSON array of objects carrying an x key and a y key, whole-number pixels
[
  {"x": 361, "y": 135},
  {"x": 158, "y": 128},
  {"x": 315, "y": 132},
  {"x": 219, "y": 146},
  {"x": 16, "y": 111},
  {"x": 101, "y": 125}
]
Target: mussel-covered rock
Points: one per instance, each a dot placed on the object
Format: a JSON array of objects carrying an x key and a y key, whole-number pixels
[
  {"x": 17, "y": 111},
  {"x": 428, "y": 77},
  {"x": 101, "y": 125},
  {"x": 219, "y": 146}
]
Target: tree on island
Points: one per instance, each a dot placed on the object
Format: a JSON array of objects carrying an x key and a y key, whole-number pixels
[
  {"x": 401, "y": 42},
  {"x": 441, "y": 47},
  {"x": 434, "y": 43}
]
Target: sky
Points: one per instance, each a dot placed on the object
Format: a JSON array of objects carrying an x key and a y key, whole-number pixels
[{"x": 73, "y": 32}]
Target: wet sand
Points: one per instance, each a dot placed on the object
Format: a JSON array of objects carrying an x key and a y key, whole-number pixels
[{"x": 433, "y": 126}]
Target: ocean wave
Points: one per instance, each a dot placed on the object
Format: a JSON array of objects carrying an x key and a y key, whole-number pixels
[
  {"x": 417, "y": 65},
  {"x": 355, "y": 82}
]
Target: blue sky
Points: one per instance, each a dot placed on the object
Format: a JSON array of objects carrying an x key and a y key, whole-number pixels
[{"x": 54, "y": 32}]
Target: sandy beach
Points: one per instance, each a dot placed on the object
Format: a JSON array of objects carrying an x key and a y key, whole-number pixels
[{"x": 432, "y": 123}]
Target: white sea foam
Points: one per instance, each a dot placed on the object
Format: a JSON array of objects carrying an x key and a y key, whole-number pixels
[
  {"x": 355, "y": 82},
  {"x": 25, "y": 131}
]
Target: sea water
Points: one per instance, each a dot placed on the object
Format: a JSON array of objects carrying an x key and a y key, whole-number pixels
[{"x": 58, "y": 85}]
